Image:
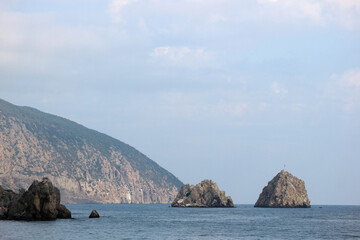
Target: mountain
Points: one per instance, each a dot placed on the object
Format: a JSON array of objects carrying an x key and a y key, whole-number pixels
[{"x": 87, "y": 166}]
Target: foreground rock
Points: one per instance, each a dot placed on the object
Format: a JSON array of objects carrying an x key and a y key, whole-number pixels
[
  {"x": 284, "y": 191},
  {"x": 40, "y": 202},
  {"x": 94, "y": 214},
  {"x": 204, "y": 194}
]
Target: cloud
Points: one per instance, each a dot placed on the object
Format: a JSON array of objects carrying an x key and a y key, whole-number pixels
[
  {"x": 30, "y": 38},
  {"x": 346, "y": 4},
  {"x": 347, "y": 89},
  {"x": 206, "y": 105},
  {"x": 351, "y": 78},
  {"x": 116, "y": 8},
  {"x": 206, "y": 111},
  {"x": 180, "y": 55},
  {"x": 278, "y": 89},
  {"x": 344, "y": 13},
  {"x": 350, "y": 81},
  {"x": 297, "y": 9}
]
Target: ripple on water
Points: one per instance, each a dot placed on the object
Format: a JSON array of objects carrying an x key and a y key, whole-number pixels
[{"x": 162, "y": 222}]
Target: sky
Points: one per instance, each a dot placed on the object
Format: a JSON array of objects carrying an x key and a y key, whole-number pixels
[{"x": 230, "y": 90}]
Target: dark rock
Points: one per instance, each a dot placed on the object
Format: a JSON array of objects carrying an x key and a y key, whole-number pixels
[
  {"x": 284, "y": 191},
  {"x": 40, "y": 202},
  {"x": 204, "y": 194},
  {"x": 6, "y": 196},
  {"x": 63, "y": 212},
  {"x": 94, "y": 214}
]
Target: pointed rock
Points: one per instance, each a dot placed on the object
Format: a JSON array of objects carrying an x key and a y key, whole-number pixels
[
  {"x": 63, "y": 212},
  {"x": 94, "y": 214},
  {"x": 284, "y": 191},
  {"x": 204, "y": 194}
]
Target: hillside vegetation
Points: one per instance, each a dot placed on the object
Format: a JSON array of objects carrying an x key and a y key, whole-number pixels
[{"x": 86, "y": 165}]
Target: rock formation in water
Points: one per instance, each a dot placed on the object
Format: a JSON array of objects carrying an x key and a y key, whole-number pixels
[
  {"x": 6, "y": 197},
  {"x": 204, "y": 194},
  {"x": 284, "y": 191},
  {"x": 86, "y": 165},
  {"x": 63, "y": 212},
  {"x": 94, "y": 214},
  {"x": 40, "y": 202}
]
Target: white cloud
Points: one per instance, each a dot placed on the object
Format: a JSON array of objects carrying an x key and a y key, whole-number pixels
[
  {"x": 342, "y": 12},
  {"x": 206, "y": 110},
  {"x": 180, "y": 55},
  {"x": 204, "y": 106},
  {"x": 278, "y": 89},
  {"x": 351, "y": 78},
  {"x": 30, "y": 38},
  {"x": 297, "y": 9},
  {"x": 172, "y": 53},
  {"x": 116, "y": 8},
  {"x": 346, "y": 4},
  {"x": 347, "y": 88}
]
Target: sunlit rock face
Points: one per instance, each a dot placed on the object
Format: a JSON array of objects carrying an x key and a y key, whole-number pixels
[
  {"x": 87, "y": 166},
  {"x": 204, "y": 194},
  {"x": 284, "y": 191}
]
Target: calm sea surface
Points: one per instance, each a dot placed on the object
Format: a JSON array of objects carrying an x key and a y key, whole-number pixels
[{"x": 119, "y": 221}]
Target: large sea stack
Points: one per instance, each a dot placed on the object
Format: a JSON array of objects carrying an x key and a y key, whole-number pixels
[
  {"x": 204, "y": 194},
  {"x": 40, "y": 202},
  {"x": 284, "y": 191},
  {"x": 87, "y": 166}
]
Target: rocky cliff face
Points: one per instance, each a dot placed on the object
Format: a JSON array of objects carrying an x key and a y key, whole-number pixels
[
  {"x": 284, "y": 191},
  {"x": 204, "y": 194},
  {"x": 40, "y": 202},
  {"x": 86, "y": 165}
]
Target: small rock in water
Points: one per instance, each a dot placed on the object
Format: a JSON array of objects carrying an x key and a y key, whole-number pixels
[
  {"x": 63, "y": 212},
  {"x": 94, "y": 214}
]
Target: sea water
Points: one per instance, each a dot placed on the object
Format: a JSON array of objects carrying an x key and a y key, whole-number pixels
[{"x": 123, "y": 221}]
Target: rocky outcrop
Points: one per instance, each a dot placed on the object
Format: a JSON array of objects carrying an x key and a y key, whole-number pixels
[
  {"x": 63, "y": 212},
  {"x": 204, "y": 194},
  {"x": 284, "y": 191},
  {"x": 40, "y": 202},
  {"x": 94, "y": 214},
  {"x": 6, "y": 197},
  {"x": 87, "y": 166}
]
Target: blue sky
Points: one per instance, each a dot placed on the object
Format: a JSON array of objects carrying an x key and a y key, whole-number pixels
[{"x": 228, "y": 90}]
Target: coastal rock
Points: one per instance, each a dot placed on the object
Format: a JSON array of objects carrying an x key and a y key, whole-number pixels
[
  {"x": 204, "y": 194},
  {"x": 94, "y": 214},
  {"x": 63, "y": 212},
  {"x": 284, "y": 191},
  {"x": 40, "y": 202},
  {"x": 6, "y": 196}
]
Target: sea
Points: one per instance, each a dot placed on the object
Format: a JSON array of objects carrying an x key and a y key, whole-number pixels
[{"x": 160, "y": 221}]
